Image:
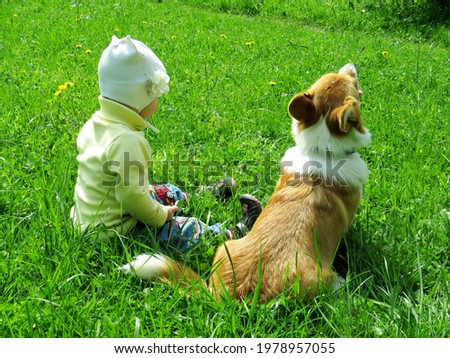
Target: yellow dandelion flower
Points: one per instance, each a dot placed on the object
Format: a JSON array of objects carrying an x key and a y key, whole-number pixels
[
  {"x": 57, "y": 93},
  {"x": 272, "y": 83},
  {"x": 223, "y": 36},
  {"x": 249, "y": 43},
  {"x": 385, "y": 53},
  {"x": 173, "y": 37},
  {"x": 88, "y": 52}
]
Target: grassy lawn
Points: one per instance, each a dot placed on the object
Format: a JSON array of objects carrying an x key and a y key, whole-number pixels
[{"x": 234, "y": 65}]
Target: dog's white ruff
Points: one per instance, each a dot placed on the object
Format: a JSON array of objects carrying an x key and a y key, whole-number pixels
[
  {"x": 318, "y": 138},
  {"x": 318, "y": 152}
]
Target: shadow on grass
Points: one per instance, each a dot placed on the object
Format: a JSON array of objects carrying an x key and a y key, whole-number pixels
[{"x": 374, "y": 271}]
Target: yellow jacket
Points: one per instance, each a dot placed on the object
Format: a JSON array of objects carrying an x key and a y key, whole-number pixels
[{"x": 112, "y": 188}]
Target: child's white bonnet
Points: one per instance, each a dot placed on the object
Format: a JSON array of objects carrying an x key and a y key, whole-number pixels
[{"x": 130, "y": 73}]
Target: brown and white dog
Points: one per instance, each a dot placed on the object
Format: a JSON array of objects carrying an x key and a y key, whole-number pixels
[{"x": 293, "y": 242}]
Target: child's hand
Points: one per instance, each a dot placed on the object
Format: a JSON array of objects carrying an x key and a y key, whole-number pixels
[{"x": 171, "y": 211}]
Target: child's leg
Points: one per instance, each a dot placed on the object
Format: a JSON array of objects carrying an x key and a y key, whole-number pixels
[
  {"x": 183, "y": 233},
  {"x": 220, "y": 229}
]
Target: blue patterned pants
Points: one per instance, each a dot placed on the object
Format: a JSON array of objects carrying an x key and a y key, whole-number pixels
[{"x": 181, "y": 232}]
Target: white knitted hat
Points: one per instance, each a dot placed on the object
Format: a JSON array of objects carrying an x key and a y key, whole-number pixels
[{"x": 130, "y": 73}]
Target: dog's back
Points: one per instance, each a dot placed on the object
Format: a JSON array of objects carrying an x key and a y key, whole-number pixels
[{"x": 292, "y": 244}]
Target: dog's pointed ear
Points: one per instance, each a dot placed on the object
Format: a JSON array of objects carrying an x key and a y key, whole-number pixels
[
  {"x": 302, "y": 108},
  {"x": 350, "y": 70},
  {"x": 343, "y": 118}
]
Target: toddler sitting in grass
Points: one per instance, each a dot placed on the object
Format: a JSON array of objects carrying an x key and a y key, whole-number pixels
[{"x": 112, "y": 192}]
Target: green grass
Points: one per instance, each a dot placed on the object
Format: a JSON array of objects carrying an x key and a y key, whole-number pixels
[{"x": 223, "y": 116}]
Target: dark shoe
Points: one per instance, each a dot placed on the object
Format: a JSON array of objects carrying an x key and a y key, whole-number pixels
[
  {"x": 223, "y": 189},
  {"x": 251, "y": 208}
]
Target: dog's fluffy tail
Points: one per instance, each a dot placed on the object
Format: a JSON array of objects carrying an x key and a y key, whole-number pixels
[{"x": 158, "y": 267}]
